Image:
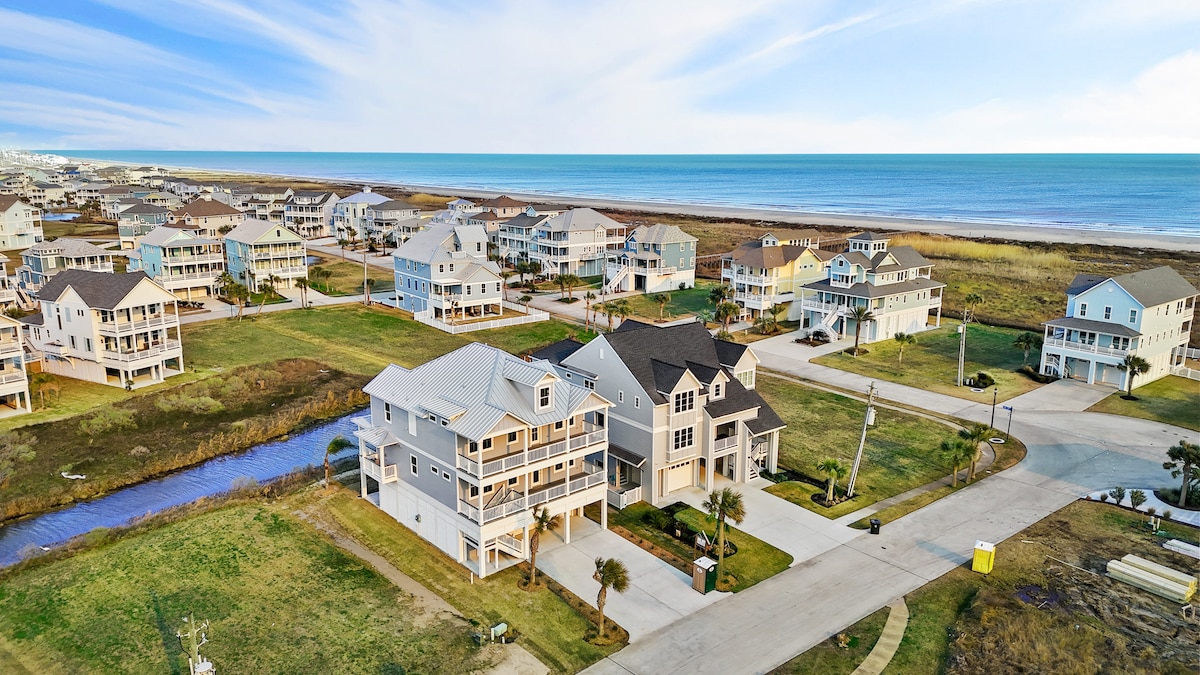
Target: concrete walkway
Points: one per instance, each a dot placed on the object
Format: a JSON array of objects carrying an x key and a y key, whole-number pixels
[{"x": 889, "y": 640}]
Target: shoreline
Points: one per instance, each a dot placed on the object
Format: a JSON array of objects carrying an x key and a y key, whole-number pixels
[{"x": 956, "y": 228}]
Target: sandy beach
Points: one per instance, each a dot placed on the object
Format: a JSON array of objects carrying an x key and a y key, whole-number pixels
[{"x": 971, "y": 230}]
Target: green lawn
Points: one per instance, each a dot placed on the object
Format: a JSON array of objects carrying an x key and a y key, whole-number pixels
[
  {"x": 1172, "y": 400},
  {"x": 755, "y": 560},
  {"x": 73, "y": 397},
  {"x": 827, "y": 658},
  {"x": 347, "y": 276},
  {"x": 901, "y": 451},
  {"x": 932, "y": 363},
  {"x": 683, "y": 303},
  {"x": 277, "y": 596},
  {"x": 550, "y": 629}
]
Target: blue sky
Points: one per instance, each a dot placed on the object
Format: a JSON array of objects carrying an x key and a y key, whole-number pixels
[{"x": 599, "y": 76}]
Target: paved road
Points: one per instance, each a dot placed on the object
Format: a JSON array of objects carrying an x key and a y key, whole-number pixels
[{"x": 1070, "y": 453}]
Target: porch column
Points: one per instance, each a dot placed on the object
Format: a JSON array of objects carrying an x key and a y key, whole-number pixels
[
  {"x": 710, "y": 467},
  {"x": 525, "y": 541},
  {"x": 773, "y": 452},
  {"x": 1092, "y": 371},
  {"x": 938, "y": 323},
  {"x": 362, "y": 476},
  {"x": 603, "y": 512},
  {"x": 567, "y": 527}
]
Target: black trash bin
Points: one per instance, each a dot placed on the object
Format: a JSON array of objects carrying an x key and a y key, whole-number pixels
[{"x": 875, "y": 524}]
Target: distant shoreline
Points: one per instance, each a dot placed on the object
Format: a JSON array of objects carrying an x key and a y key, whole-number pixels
[{"x": 957, "y": 228}]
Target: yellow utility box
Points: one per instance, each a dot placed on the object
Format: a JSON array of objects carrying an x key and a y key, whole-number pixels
[{"x": 985, "y": 557}]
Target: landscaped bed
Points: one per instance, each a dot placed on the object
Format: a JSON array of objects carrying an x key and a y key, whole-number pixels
[
  {"x": 932, "y": 363},
  {"x": 1170, "y": 400},
  {"x": 902, "y": 450},
  {"x": 1047, "y": 605},
  {"x": 278, "y": 598}
]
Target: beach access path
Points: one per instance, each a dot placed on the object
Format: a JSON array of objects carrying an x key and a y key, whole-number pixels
[{"x": 1070, "y": 454}]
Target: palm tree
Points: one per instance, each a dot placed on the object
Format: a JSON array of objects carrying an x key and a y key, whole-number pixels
[
  {"x": 726, "y": 312},
  {"x": 726, "y": 504},
  {"x": 570, "y": 281},
  {"x": 274, "y": 282},
  {"x": 610, "y": 573},
  {"x": 957, "y": 452},
  {"x": 338, "y": 444},
  {"x": 834, "y": 471},
  {"x": 506, "y": 275},
  {"x": 267, "y": 288},
  {"x": 1025, "y": 342},
  {"x": 1132, "y": 366},
  {"x": 974, "y": 435},
  {"x": 542, "y": 522},
  {"x": 562, "y": 285},
  {"x": 622, "y": 308},
  {"x": 861, "y": 314},
  {"x": 522, "y": 269},
  {"x": 720, "y": 294},
  {"x": 524, "y": 300},
  {"x": 903, "y": 339},
  {"x": 343, "y": 243},
  {"x": 661, "y": 299},
  {"x": 239, "y": 294},
  {"x": 768, "y": 322},
  {"x": 705, "y": 316},
  {"x": 971, "y": 301},
  {"x": 589, "y": 311},
  {"x": 224, "y": 282},
  {"x": 1185, "y": 461},
  {"x": 535, "y": 268},
  {"x": 303, "y": 283}
]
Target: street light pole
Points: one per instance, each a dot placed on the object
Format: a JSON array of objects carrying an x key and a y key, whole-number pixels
[
  {"x": 962, "y": 347},
  {"x": 992, "y": 424},
  {"x": 862, "y": 440}
]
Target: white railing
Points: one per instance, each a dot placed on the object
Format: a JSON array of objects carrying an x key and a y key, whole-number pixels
[
  {"x": 1185, "y": 352},
  {"x": 118, "y": 327},
  {"x": 469, "y": 510},
  {"x": 504, "y": 510},
  {"x": 383, "y": 474},
  {"x": 725, "y": 443},
  {"x": 8, "y": 378},
  {"x": 533, "y": 499},
  {"x": 152, "y": 350},
  {"x": 536, "y": 454},
  {"x": 533, "y": 316},
  {"x": 102, "y": 267},
  {"x": 1189, "y": 373},
  {"x": 467, "y": 464},
  {"x": 935, "y": 301},
  {"x": 619, "y": 500},
  {"x": 683, "y": 453},
  {"x": 10, "y": 347},
  {"x": 264, "y": 272},
  {"x": 755, "y": 279},
  {"x": 507, "y": 541},
  {"x": 187, "y": 259},
  {"x": 818, "y": 306},
  {"x": 1082, "y": 347}
]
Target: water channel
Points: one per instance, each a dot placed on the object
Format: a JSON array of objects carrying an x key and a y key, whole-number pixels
[{"x": 262, "y": 463}]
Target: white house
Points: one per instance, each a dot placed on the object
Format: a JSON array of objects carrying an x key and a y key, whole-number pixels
[
  {"x": 350, "y": 213},
  {"x": 208, "y": 217},
  {"x": 576, "y": 242},
  {"x": 464, "y": 448},
  {"x": 14, "y": 382},
  {"x": 392, "y": 221},
  {"x": 107, "y": 328},
  {"x": 182, "y": 261},
  {"x": 685, "y": 412},
  {"x": 892, "y": 282},
  {"x": 20, "y": 224},
  {"x": 310, "y": 212},
  {"x": 1146, "y": 313},
  {"x": 257, "y": 250},
  {"x": 445, "y": 271}
]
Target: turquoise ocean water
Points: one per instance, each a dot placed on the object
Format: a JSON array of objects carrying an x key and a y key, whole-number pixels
[{"x": 1128, "y": 193}]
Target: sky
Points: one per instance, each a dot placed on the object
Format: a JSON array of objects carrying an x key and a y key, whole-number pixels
[{"x": 602, "y": 76}]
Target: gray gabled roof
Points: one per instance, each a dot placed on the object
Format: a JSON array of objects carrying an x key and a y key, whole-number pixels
[
  {"x": 558, "y": 351},
  {"x": 870, "y": 236},
  {"x": 65, "y": 246},
  {"x": 253, "y": 229},
  {"x": 581, "y": 219},
  {"x": 145, "y": 209},
  {"x": 484, "y": 383},
  {"x": 1156, "y": 286},
  {"x": 100, "y": 290},
  {"x": 1082, "y": 282},
  {"x": 661, "y": 234},
  {"x": 393, "y": 205},
  {"x": 865, "y": 290}
]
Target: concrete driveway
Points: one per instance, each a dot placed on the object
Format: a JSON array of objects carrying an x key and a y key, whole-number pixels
[{"x": 658, "y": 594}]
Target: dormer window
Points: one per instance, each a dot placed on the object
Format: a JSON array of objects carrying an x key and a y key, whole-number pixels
[
  {"x": 718, "y": 390},
  {"x": 685, "y": 401},
  {"x": 545, "y": 397}
]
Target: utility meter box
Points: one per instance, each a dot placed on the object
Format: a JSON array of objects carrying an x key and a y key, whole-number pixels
[
  {"x": 985, "y": 557},
  {"x": 704, "y": 574}
]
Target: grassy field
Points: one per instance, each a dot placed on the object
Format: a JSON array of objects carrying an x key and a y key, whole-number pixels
[
  {"x": 347, "y": 276},
  {"x": 53, "y": 229},
  {"x": 549, "y": 628},
  {"x": 277, "y": 596},
  {"x": 830, "y": 658},
  {"x": 1172, "y": 400},
  {"x": 683, "y": 303},
  {"x": 932, "y": 363},
  {"x": 755, "y": 560},
  {"x": 900, "y": 454},
  {"x": 1044, "y": 615}
]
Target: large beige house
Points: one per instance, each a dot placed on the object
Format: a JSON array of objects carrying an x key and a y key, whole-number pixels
[{"x": 768, "y": 271}]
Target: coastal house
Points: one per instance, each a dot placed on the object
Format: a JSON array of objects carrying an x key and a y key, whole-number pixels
[
  {"x": 46, "y": 194},
  {"x": 12, "y": 184},
  {"x": 445, "y": 271},
  {"x": 576, "y": 242},
  {"x": 89, "y": 191},
  {"x": 392, "y": 222},
  {"x": 684, "y": 414},
  {"x": 457, "y": 211},
  {"x": 464, "y": 448},
  {"x": 14, "y": 381},
  {"x": 210, "y": 218},
  {"x": 503, "y": 206},
  {"x": 111, "y": 195},
  {"x": 8, "y": 288},
  {"x": 20, "y": 223},
  {"x": 43, "y": 260},
  {"x": 767, "y": 272},
  {"x": 514, "y": 238},
  {"x": 309, "y": 213},
  {"x": 267, "y": 204},
  {"x": 137, "y": 220},
  {"x": 1147, "y": 313},
  {"x": 655, "y": 259},
  {"x": 892, "y": 282},
  {"x": 164, "y": 199},
  {"x": 257, "y": 250},
  {"x": 350, "y": 214},
  {"x": 115, "y": 329},
  {"x": 184, "y": 262}
]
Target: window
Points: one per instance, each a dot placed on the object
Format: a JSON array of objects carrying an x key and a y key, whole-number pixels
[
  {"x": 684, "y": 438},
  {"x": 472, "y": 447},
  {"x": 558, "y": 425},
  {"x": 537, "y": 475},
  {"x": 474, "y": 490},
  {"x": 445, "y": 422},
  {"x": 512, "y": 481},
  {"x": 544, "y": 397},
  {"x": 487, "y": 489},
  {"x": 487, "y": 444},
  {"x": 637, "y": 401},
  {"x": 1083, "y": 309},
  {"x": 72, "y": 342},
  {"x": 746, "y": 378},
  {"x": 512, "y": 437},
  {"x": 1133, "y": 316},
  {"x": 451, "y": 267},
  {"x": 387, "y": 412},
  {"x": 434, "y": 469},
  {"x": 558, "y": 467},
  {"x": 412, "y": 423},
  {"x": 590, "y": 384},
  {"x": 716, "y": 389},
  {"x": 685, "y": 401},
  {"x": 441, "y": 268},
  {"x": 1107, "y": 312},
  {"x": 87, "y": 344},
  {"x": 533, "y": 434},
  {"x": 412, "y": 464},
  {"x": 620, "y": 397},
  {"x": 468, "y": 287}
]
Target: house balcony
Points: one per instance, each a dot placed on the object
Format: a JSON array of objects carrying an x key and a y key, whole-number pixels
[
  {"x": 152, "y": 351},
  {"x": 683, "y": 453},
  {"x": 1084, "y": 347},
  {"x": 187, "y": 278},
  {"x": 592, "y": 476},
  {"x": 723, "y": 444},
  {"x": 589, "y": 441},
  {"x": 368, "y": 463},
  {"x": 8, "y": 295},
  {"x": 750, "y": 279},
  {"x": 10, "y": 348},
  {"x": 13, "y": 377},
  {"x": 282, "y": 272},
  {"x": 762, "y": 301},
  {"x": 191, "y": 259},
  {"x": 126, "y": 327},
  {"x": 935, "y": 301},
  {"x": 826, "y": 307},
  {"x": 620, "y": 498}
]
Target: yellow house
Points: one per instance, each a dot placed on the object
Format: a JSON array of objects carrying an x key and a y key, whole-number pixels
[{"x": 767, "y": 272}]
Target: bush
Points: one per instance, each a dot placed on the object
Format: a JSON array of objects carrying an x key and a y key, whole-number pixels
[
  {"x": 983, "y": 380},
  {"x": 1137, "y": 498},
  {"x": 108, "y": 419},
  {"x": 139, "y": 451},
  {"x": 1118, "y": 494},
  {"x": 1167, "y": 514},
  {"x": 1104, "y": 497},
  {"x": 1151, "y": 510},
  {"x": 657, "y": 519},
  {"x": 1034, "y": 375}
]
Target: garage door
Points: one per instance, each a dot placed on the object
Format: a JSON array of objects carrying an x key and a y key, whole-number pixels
[{"x": 679, "y": 476}]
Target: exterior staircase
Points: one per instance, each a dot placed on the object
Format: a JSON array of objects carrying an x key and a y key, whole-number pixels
[
  {"x": 826, "y": 325},
  {"x": 615, "y": 283}
]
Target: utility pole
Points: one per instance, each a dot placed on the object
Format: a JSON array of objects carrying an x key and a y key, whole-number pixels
[
  {"x": 868, "y": 420},
  {"x": 366, "y": 288}
]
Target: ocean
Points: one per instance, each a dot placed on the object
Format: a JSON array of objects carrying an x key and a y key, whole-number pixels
[{"x": 1116, "y": 193}]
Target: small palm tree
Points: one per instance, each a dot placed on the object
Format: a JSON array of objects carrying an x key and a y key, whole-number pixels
[
  {"x": 622, "y": 308},
  {"x": 224, "y": 282},
  {"x": 661, "y": 299},
  {"x": 303, "y": 283},
  {"x": 522, "y": 269},
  {"x": 903, "y": 339},
  {"x": 957, "y": 452},
  {"x": 1026, "y": 342},
  {"x": 834, "y": 471},
  {"x": 610, "y": 573},
  {"x": 542, "y": 522},
  {"x": 722, "y": 505},
  {"x": 590, "y": 311},
  {"x": 1185, "y": 462},
  {"x": 338, "y": 444},
  {"x": 970, "y": 302},
  {"x": 239, "y": 293},
  {"x": 720, "y": 294},
  {"x": 524, "y": 300},
  {"x": 506, "y": 275},
  {"x": 974, "y": 435},
  {"x": 570, "y": 281},
  {"x": 861, "y": 314},
  {"x": 727, "y": 312},
  {"x": 1132, "y": 366},
  {"x": 343, "y": 243},
  {"x": 705, "y": 316}
]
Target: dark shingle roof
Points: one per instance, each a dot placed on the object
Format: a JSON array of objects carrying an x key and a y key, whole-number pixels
[
  {"x": 33, "y": 319},
  {"x": 1106, "y": 327},
  {"x": 872, "y": 291},
  {"x": 1082, "y": 282},
  {"x": 558, "y": 351},
  {"x": 1155, "y": 286},
  {"x": 99, "y": 290},
  {"x": 871, "y": 236}
]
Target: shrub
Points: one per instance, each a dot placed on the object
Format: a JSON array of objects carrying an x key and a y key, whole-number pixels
[
  {"x": 108, "y": 419},
  {"x": 243, "y": 483},
  {"x": 1151, "y": 510},
  {"x": 657, "y": 519},
  {"x": 1104, "y": 497},
  {"x": 1167, "y": 514},
  {"x": 1028, "y": 371},
  {"x": 983, "y": 380},
  {"x": 197, "y": 405},
  {"x": 1118, "y": 494},
  {"x": 139, "y": 451},
  {"x": 15, "y": 446},
  {"x": 1137, "y": 498}
]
